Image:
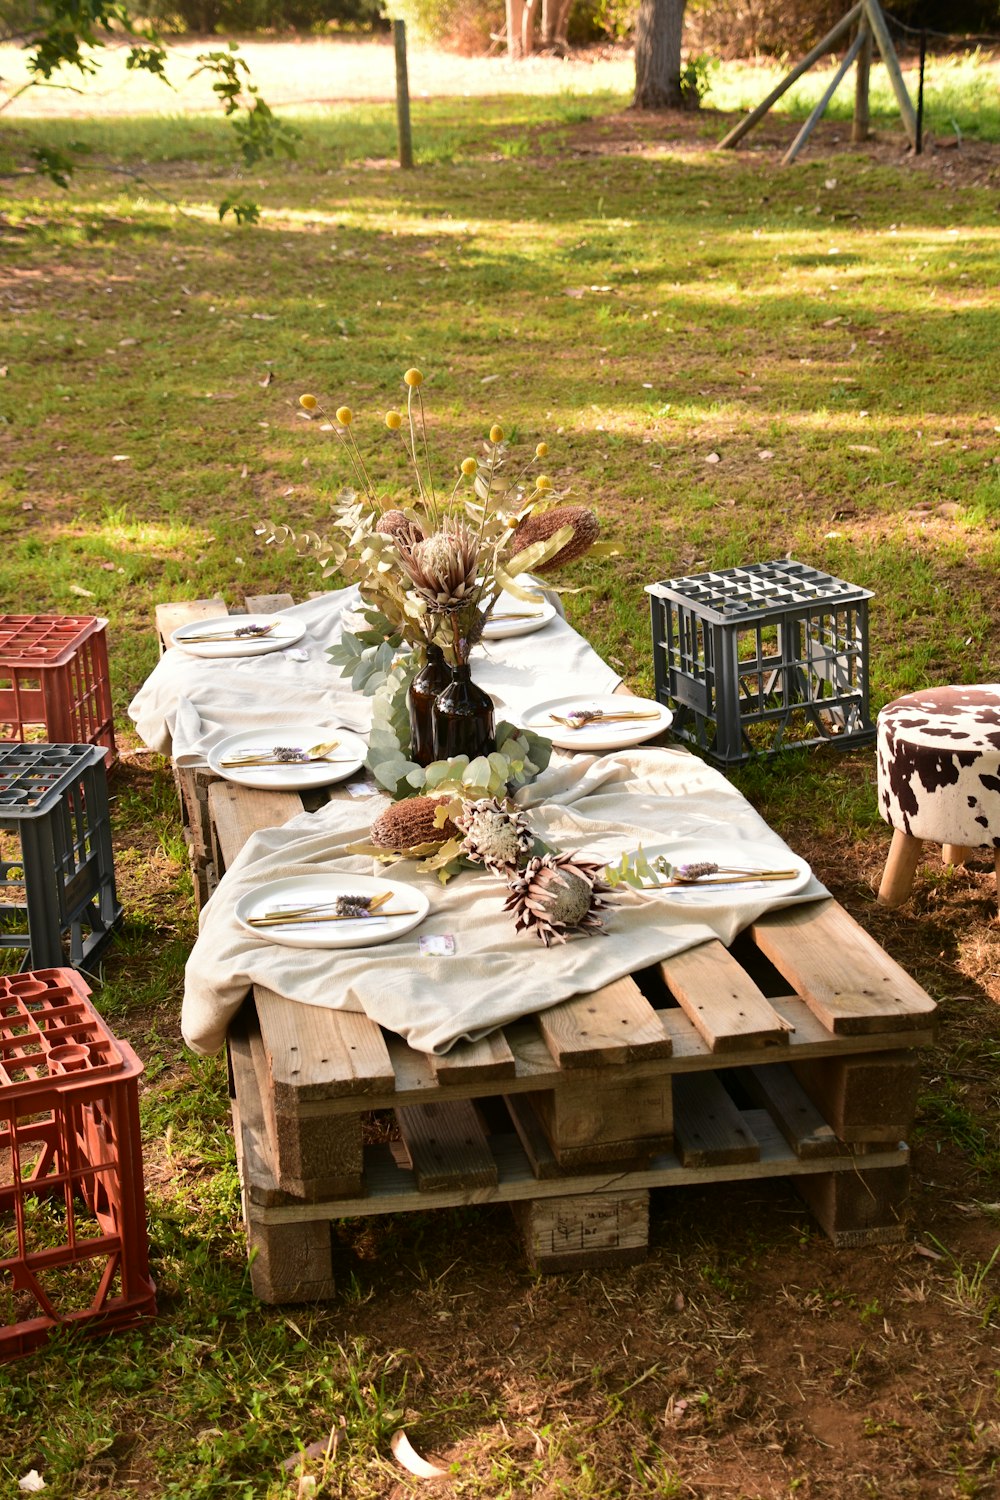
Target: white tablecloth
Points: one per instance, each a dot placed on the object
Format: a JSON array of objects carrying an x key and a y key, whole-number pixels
[
  {"x": 188, "y": 703},
  {"x": 601, "y": 805}
]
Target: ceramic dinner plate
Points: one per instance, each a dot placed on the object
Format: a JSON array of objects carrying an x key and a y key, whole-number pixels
[
  {"x": 731, "y": 854},
  {"x": 296, "y": 891},
  {"x": 598, "y": 735},
  {"x": 512, "y": 616},
  {"x": 345, "y": 758},
  {"x": 285, "y": 633}
]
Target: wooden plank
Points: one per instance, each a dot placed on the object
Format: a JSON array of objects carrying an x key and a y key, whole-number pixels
[
  {"x": 727, "y": 1008},
  {"x": 415, "y": 1080},
  {"x": 708, "y": 1128},
  {"x": 614, "y": 1024},
  {"x": 268, "y": 604},
  {"x": 845, "y": 978},
  {"x": 475, "y": 1062},
  {"x": 170, "y": 617},
  {"x": 321, "y": 1156},
  {"x": 865, "y": 1098},
  {"x": 320, "y": 1055},
  {"x": 192, "y": 790},
  {"x": 249, "y": 1128},
  {"x": 777, "y": 1090},
  {"x": 614, "y": 1118},
  {"x": 585, "y": 1232},
  {"x": 531, "y": 1134},
  {"x": 448, "y": 1145},
  {"x": 392, "y": 1189},
  {"x": 237, "y": 812}
]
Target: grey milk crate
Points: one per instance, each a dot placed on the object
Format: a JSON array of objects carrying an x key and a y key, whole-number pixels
[
  {"x": 764, "y": 658},
  {"x": 54, "y": 798}
]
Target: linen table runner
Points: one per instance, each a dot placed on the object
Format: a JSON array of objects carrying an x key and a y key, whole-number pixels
[{"x": 602, "y": 805}]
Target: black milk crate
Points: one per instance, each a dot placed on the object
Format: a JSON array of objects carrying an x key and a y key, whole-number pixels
[
  {"x": 54, "y": 798},
  {"x": 768, "y": 657}
]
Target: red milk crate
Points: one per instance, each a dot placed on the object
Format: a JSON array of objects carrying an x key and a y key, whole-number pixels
[
  {"x": 54, "y": 680},
  {"x": 73, "y": 1246}
]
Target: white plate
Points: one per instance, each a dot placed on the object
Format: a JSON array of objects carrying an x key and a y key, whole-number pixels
[
  {"x": 293, "y": 776},
  {"x": 539, "y": 613},
  {"x": 730, "y": 854},
  {"x": 306, "y": 890},
  {"x": 285, "y": 633},
  {"x": 597, "y": 736}
]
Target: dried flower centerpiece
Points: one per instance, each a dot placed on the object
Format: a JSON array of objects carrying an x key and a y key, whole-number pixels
[
  {"x": 551, "y": 894},
  {"x": 430, "y": 571}
]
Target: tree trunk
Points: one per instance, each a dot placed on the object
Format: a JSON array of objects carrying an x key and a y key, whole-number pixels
[
  {"x": 658, "y": 55},
  {"x": 555, "y": 18},
  {"x": 515, "y": 14}
]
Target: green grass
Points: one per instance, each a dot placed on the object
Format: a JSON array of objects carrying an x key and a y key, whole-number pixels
[{"x": 842, "y": 317}]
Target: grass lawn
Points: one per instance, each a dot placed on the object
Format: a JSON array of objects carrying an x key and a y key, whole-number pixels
[{"x": 733, "y": 362}]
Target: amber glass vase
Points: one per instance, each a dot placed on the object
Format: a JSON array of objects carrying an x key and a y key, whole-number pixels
[
  {"x": 432, "y": 679},
  {"x": 463, "y": 718}
]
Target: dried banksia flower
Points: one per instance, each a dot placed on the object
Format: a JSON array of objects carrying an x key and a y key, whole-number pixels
[
  {"x": 556, "y": 894},
  {"x": 494, "y": 837},
  {"x": 538, "y": 528},
  {"x": 404, "y": 532},
  {"x": 406, "y": 824},
  {"x": 443, "y": 567}
]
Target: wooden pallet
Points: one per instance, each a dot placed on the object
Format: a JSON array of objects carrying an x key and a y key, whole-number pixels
[{"x": 791, "y": 1054}]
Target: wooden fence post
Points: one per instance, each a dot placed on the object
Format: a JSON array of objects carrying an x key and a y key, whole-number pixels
[
  {"x": 402, "y": 97},
  {"x": 861, "y": 124}
]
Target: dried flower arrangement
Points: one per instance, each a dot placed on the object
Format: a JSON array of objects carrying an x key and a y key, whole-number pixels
[
  {"x": 430, "y": 571},
  {"x": 550, "y": 894}
]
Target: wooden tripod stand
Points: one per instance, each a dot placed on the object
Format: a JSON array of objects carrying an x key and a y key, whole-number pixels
[{"x": 871, "y": 27}]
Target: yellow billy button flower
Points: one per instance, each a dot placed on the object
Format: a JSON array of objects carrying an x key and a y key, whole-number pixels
[
  {"x": 345, "y": 416},
  {"x": 542, "y": 451},
  {"x": 469, "y": 467},
  {"x": 308, "y": 403},
  {"x": 413, "y": 378},
  {"x": 496, "y": 434},
  {"x": 543, "y": 482},
  {"x": 394, "y": 420}
]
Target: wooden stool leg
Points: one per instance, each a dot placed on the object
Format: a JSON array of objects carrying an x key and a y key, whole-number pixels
[
  {"x": 955, "y": 854},
  {"x": 996, "y": 866},
  {"x": 900, "y": 868}
]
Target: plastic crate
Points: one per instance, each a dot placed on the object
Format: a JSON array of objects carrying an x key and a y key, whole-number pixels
[
  {"x": 54, "y": 803},
  {"x": 763, "y": 658},
  {"x": 73, "y": 1244},
  {"x": 54, "y": 680}
]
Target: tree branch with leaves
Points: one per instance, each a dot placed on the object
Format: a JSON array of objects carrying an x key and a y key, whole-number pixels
[{"x": 67, "y": 34}]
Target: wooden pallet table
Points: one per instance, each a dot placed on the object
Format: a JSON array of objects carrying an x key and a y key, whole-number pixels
[{"x": 792, "y": 1054}]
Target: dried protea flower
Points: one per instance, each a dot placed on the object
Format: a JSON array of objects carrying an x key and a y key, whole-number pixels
[
  {"x": 494, "y": 837},
  {"x": 406, "y": 824},
  {"x": 443, "y": 568},
  {"x": 404, "y": 532},
  {"x": 538, "y": 528},
  {"x": 555, "y": 894}
]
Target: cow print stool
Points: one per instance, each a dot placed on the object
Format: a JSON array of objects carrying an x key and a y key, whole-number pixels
[{"x": 938, "y": 779}]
